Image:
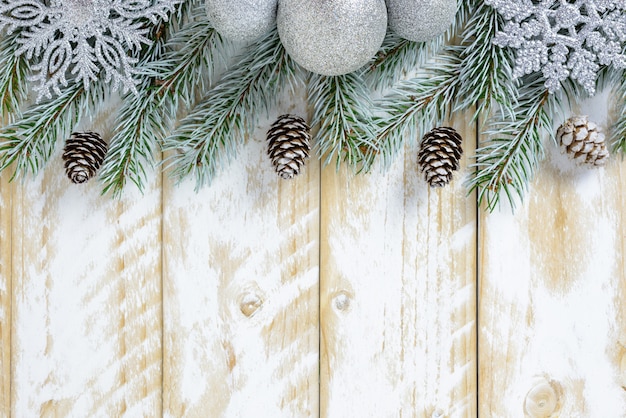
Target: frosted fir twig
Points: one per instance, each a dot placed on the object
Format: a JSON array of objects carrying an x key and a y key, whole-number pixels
[
  {"x": 416, "y": 105},
  {"x": 486, "y": 69},
  {"x": 218, "y": 124},
  {"x": 398, "y": 56},
  {"x": 13, "y": 77},
  {"x": 510, "y": 158},
  {"x": 618, "y": 130},
  {"x": 29, "y": 142},
  {"x": 145, "y": 119},
  {"x": 342, "y": 114}
]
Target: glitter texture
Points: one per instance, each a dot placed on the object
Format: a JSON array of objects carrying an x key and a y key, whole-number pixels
[
  {"x": 332, "y": 37},
  {"x": 82, "y": 37},
  {"x": 563, "y": 38},
  {"x": 420, "y": 20},
  {"x": 242, "y": 20}
]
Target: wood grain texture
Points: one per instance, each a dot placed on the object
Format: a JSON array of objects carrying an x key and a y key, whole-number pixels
[
  {"x": 398, "y": 290},
  {"x": 552, "y": 293},
  {"x": 241, "y": 290},
  {"x": 86, "y": 299},
  {"x": 5, "y": 294}
]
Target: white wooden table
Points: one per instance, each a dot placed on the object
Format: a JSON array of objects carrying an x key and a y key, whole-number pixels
[{"x": 329, "y": 295}]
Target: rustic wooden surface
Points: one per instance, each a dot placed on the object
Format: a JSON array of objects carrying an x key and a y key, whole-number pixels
[
  {"x": 398, "y": 275},
  {"x": 5, "y": 294},
  {"x": 552, "y": 301},
  {"x": 241, "y": 308},
  {"x": 332, "y": 295}
]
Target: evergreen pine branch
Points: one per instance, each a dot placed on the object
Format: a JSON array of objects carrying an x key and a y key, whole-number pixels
[
  {"x": 341, "y": 106},
  {"x": 13, "y": 87},
  {"x": 30, "y": 141},
  {"x": 398, "y": 56},
  {"x": 508, "y": 161},
  {"x": 618, "y": 130},
  {"x": 214, "y": 128},
  {"x": 417, "y": 105},
  {"x": 486, "y": 69},
  {"x": 144, "y": 119}
]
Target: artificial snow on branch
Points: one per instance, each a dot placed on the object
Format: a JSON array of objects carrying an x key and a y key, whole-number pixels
[
  {"x": 214, "y": 128},
  {"x": 342, "y": 113},
  {"x": 172, "y": 74},
  {"x": 189, "y": 97}
]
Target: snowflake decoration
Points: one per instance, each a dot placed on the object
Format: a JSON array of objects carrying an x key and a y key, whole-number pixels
[
  {"x": 563, "y": 38},
  {"x": 81, "y": 38}
]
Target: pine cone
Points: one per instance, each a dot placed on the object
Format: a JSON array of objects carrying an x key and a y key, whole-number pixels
[
  {"x": 439, "y": 155},
  {"x": 83, "y": 154},
  {"x": 288, "y": 145},
  {"x": 583, "y": 141}
]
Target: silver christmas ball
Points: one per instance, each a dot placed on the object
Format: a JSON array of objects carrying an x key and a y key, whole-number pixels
[
  {"x": 242, "y": 20},
  {"x": 420, "y": 20},
  {"x": 331, "y": 37}
]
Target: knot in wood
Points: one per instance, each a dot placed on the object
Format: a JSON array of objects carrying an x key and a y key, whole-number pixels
[
  {"x": 438, "y": 413},
  {"x": 250, "y": 303},
  {"x": 543, "y": 400},
  {"x": 341, "y": 301}
]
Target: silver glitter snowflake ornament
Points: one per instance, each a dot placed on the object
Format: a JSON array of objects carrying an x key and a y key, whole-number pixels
[
  {"x": 81, "y": 39},
  {"x": 564, "y": 38}
]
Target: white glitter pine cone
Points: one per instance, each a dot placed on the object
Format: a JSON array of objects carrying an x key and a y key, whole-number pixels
[
  {"x": 288, "y": 147},
  {"x": 83, "y": 154},
  {"x": 583, "y": 141},
  {"x": 439, "y": 155}
]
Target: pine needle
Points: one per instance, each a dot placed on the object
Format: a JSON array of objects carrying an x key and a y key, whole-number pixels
[
  {"x": 210, "y": 134},
  {"x": 398, "y": 56},
  {"x": 486, "y": 69},
  {"x": 508, "y": 161},
  {"x": 618, "y": 130},
  {"x": 145, "y": 119},
  {"x": 416, "y": 105},
  {"x": 13, "y": 77},
  {"x": 30, "y": 141},
  {"x": 342, "y": 114}
]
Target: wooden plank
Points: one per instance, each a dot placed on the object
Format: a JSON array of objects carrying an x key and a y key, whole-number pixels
[
  {"x": 241, "y": 290},
  {"x": 553, "y": 293},
  {"x": 86, "y": 298},
  {"x": 5, "y": 294},
  {"x": 398, "y": 293}
]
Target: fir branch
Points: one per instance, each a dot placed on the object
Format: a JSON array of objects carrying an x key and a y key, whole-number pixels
[
  {"x": 618, "y": 130},
  {"x": 30, "y": 141},
  {"x": 341, "y": 106},
  {"x": 214, "y": 128},
  {"x": 398, "y": 56},
  {"x": 508, "y": 161},
  {"x": 486, "y": 69},
  {"x": 145, "y": 118},
  {"x": 417, "y": 104},
  {"x": 13, "y": 77}
]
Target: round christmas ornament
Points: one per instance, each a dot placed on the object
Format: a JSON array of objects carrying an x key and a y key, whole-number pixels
[
  {"x": 288, "y": 145},
  {"x": 439, "y": 155},
  {"x": 242, "y": 20},
  {"x": 420, "y": 20},
  {"x": 83, "y": 154},
  {"x": 583, "y": 141},
  {"x": 332, "y": 37}
]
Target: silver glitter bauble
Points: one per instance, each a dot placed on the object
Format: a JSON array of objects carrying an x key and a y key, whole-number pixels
[
  {"x": 242, "y": 20},
  {"x": 420, "y": 20},
  {"x": 332, "y": 37}
]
